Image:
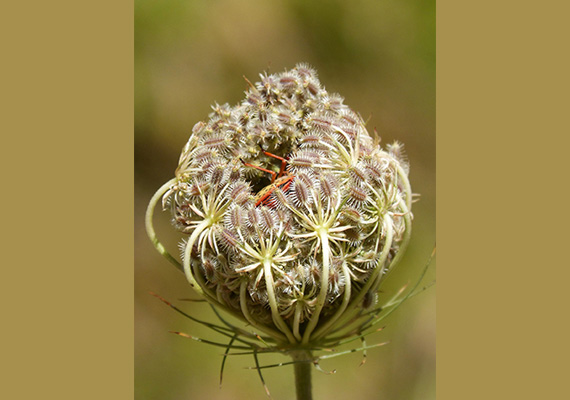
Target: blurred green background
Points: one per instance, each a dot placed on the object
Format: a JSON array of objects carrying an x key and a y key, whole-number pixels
[{"x": 380, "y": 56}]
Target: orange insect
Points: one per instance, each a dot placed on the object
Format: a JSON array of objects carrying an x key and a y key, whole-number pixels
[{"x": 281, "y": 180}]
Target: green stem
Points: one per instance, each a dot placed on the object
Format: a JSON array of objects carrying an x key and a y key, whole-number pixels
[
  {"x": 324, "y": 329},
  {"x": 187, "y": 261},
  {"x": 150, "y": 227},
  {"x": 321, "y": 297},
  {"x": 302, "y": 365},
  {"x": 249, "y": 318},
  {"x": 270, "y": 286}
]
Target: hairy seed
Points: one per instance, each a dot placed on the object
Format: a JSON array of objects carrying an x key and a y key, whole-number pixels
[
  {"x": 358, "y": 174},
  {"x": 306, "y": 178},
  {"x": 253, "y": 217},
  {"x": 358, "y": 194},
  {"x": 321, "y": 124},
  {"x": 305, "y": 71},
  {"x": 204, "y": 155},
  {"x": 300, "y": 161},
  {"x": 301, "y": 193},
  {"x": 267, "y": 219},
  {"x": 312, "y": 88},
  {"x": 236, "y": 218},
  {"x": 352, "y": 214},
  {"x": 254, "y": 99},
  {"x": 229, "y": 239},
  {"x": 240, "y": 192},
  {"x": 217, "y": 141},
  {"x": 375, "y": 170},
  {"x": 216, "y": 174},
  {"x": 278, "y": 199},
  {"x": 329, "y": 184},
  {"x": 209, "y": 269},
  {"x": 335, "y": 103},
  {"x": 351, "y": 118},
  {"x": 311, "y": 139}
]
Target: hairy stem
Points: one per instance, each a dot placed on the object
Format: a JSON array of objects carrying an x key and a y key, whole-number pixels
[{"x": 302, "y": 365}]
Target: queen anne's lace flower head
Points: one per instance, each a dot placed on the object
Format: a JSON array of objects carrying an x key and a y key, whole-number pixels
[{"x": 294, "y": 213}]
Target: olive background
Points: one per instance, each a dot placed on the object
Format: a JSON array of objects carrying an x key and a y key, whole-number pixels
[{"x": 380, "y": 56}]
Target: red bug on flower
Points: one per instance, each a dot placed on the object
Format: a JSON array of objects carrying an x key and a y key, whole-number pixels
[{"x": 281, "y": 180}]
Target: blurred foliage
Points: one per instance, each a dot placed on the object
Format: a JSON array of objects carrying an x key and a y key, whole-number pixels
[{"x": 380, "y": 56}]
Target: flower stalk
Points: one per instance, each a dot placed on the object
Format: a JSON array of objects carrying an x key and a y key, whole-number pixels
[
  {"x": 294, "y": 216},
  {"x": 303, "y": 370}
]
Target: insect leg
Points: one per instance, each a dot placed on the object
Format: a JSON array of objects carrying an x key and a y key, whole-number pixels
[
  {"x": 273, "y": 173},
  {"x": 283, "y": 161}
]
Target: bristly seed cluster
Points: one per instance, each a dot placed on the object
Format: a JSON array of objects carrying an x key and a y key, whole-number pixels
[{"x": 312, "y": 253}]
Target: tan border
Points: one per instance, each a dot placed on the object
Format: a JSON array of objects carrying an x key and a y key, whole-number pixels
[
  {"x": 67, "y": 166},
  {"x": 502, "y": 93}
]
